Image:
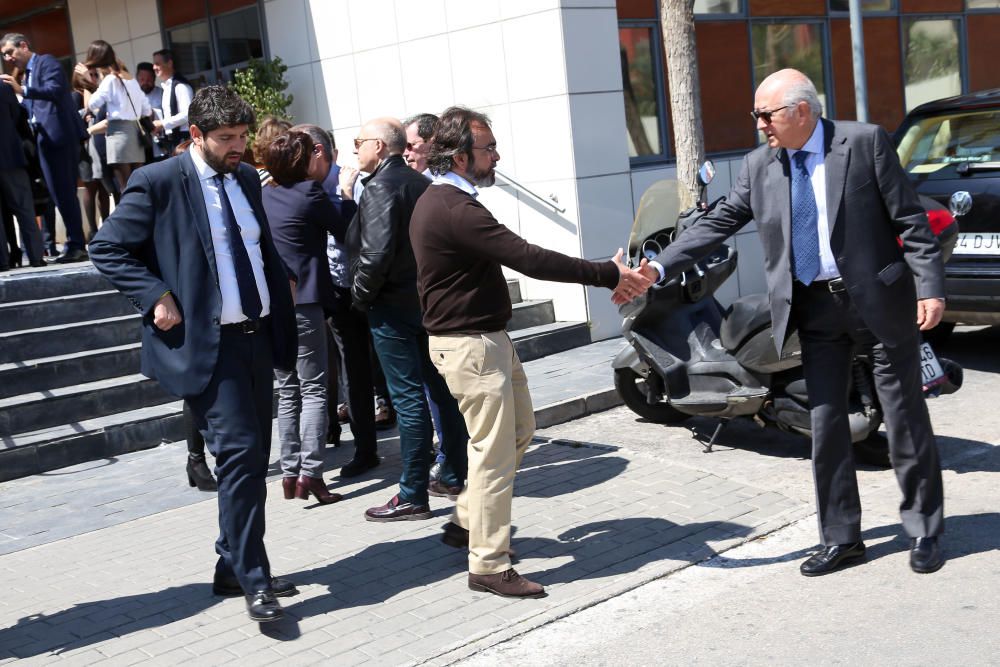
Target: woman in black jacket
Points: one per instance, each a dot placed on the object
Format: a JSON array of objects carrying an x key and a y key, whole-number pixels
[{"x": 300, "y": 216}]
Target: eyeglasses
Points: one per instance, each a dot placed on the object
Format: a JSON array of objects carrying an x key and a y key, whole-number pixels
[
  {"x": 358, "y": 141},
  {"x": 766, "y": 115},
  {"x": 410, "y": 146},
  {"x": 491, "y": 149}
]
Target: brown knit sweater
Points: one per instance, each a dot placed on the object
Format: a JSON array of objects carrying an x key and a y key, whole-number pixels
[{"x": 460, "y": 246}]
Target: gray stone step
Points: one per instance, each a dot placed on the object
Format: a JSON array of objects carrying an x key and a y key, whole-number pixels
[
  {"x": 75, "y": 308},
  {"x": 531, "y": 313},
  {"x": 70, "y": 405},
  {"x": 64, "y": 339},
  {"x": 91, "y": 440},
  {"x": 23, "y": 377},
  {"x": 540, "y": 341},
  {"x": 51, "y": 282}
]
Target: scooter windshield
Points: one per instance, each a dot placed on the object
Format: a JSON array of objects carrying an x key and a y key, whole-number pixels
[{"x": 657, "y": 212}]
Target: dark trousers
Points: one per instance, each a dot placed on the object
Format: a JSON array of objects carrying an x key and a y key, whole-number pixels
[
  {"x": 401, "y": 344},
  {"x": 195, "y": 440},
  {"x": 831, "y": 330},
  {"x": 234, "y": 414},
  {"x": 60, "y": 169},
  {"x": 350, "y": 349},
  {"x": 15, "y": 190}
]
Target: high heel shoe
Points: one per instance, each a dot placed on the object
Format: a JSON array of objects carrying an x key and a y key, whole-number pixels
[
  {"x": 288, "y": 486},
  {"x": 200, "y": 476},
  {"x": 315, "y": 486}
]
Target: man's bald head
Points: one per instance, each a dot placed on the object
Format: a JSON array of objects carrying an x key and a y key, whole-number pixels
[
  {"x": 792, "y": 87},
  {"x": 390, "y": 131},
  {"x": 788, "y": 108}
]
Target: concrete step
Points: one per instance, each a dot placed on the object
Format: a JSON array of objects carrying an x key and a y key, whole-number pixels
[
  {"x": 70, "y": 405},
  {"x": 71, "y": 309},
  {"x": 23, "y": 377},
  {"x": 90, "y": 440},
  {"x": 540, "y": 341},
  {"x": 51, "y": 282},
  {"x": 65, "y": 339},
  {"x": 531, "y": 313},
  {"x": 514, "y": 290}
]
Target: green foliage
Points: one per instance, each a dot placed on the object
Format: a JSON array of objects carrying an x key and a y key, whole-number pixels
[{"x": 262, "y": 84}]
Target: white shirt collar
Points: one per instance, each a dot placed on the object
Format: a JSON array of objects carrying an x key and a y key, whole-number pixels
[
  {"x": 205, "y": 172},
  {"x": 451, "y": 178},
  {"x": 815, "y": 142}
]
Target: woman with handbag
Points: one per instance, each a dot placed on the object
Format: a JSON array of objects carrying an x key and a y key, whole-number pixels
[{"x": 126, "y": 107}]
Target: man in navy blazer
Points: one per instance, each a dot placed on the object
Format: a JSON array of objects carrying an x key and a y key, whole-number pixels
[
  {"x": 15, "y": 187},
  {"x": 189, "y": 245},
  {"x": 58, "y": 129}
]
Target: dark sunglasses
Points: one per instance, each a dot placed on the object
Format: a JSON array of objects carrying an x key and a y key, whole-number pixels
[{"x": 766, "y": 115}]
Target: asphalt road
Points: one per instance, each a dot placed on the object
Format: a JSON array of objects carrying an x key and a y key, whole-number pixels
[{"x": 750, "y": 605}]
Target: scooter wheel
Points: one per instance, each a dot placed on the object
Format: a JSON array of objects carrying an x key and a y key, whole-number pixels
[
  {"x": 631, "y": 387},
  {"x": 873, "y": 451}
]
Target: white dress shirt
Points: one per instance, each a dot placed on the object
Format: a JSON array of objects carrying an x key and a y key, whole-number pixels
[
  {"x": 120, "y": 106},
  {"x": 816, "y": 166},
  {"x": 232, "y": 310},
  {"x": 183, "y": 99}
]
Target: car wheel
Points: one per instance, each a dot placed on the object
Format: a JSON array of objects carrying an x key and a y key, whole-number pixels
[{"x": 631, "y": 387}]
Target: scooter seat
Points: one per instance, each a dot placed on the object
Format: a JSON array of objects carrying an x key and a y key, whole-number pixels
[{"x": 745, "y": 317}]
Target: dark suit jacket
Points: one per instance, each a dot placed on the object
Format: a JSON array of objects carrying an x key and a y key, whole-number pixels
[
  {"x": 159, "y": 239},
  {"x": 301, "y": 215},
  {"x": 48, "y": 98},
  {"x": 11, "y": 153},
  {"x": 870, "y": 202},
  {"x": 378, "y": 241}
]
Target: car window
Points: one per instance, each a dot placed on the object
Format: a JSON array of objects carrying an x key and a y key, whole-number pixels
[{"x": 935, "y": 146}]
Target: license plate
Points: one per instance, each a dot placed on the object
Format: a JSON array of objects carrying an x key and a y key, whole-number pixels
[
  {"x": 930, "y": 368},
  {"x": 978, "y": 243}
]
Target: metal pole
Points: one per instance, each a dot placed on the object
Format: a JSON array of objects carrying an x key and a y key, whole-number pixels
[{"x": 858, "y": 53}]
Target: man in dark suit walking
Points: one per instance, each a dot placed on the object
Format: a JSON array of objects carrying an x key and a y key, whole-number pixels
[
  {"x": 58, "y": 129},
  {"x": 831, "y": 203},
  {"x": 190, "y": 247},
  {"x": 15, "y": 187}
]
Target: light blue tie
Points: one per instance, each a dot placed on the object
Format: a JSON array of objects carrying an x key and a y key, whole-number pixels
[{"x": 805, "y": 218}]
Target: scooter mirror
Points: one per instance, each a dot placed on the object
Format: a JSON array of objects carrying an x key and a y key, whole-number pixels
[
  {"x": 960, "y": 203},
  {"x": 706, "y": 172}
]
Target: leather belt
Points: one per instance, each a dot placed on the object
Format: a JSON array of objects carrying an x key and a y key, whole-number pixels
[
  {"x": 246, "y": 326},
  {"x": 833, "y": 286}
]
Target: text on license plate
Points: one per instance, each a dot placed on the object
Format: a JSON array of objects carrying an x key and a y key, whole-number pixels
[
  {"x": 978, "y": 243},
  {"x": 930, "y": 368}
]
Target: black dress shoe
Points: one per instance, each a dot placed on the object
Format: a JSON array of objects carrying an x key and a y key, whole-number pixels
[
  {"x": 40, "y": 263},
  {"x": 230, "y": 587},
  {"x": 71, "y": 256},
  {"x": 263, "y": 607},
  {"x": 359, "y": 465},
  {"x": 926, "y": 555},
  {"x": 832, "y": 558},
  {"x": 199, "y": 475}
]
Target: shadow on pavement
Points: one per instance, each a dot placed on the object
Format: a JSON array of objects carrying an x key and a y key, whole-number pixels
[{"x": 974, "y": 349}]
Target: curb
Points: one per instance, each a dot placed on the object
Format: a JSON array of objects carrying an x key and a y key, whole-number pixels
[{"x": 574, "y": 408}]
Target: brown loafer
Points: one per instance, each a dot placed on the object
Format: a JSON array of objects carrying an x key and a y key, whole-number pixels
[
  {"x": 508, "y": 584},
  {"x": 397, "y": 510},
  {"x": 315, "y": 486},
  {"x": 343, "y": 416},
  {"x": 288, "y": 486},
  {"x": 440, "y": 490}
]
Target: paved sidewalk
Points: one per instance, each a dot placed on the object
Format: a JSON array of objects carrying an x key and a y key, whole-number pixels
[{"x": 122, "y": 551}]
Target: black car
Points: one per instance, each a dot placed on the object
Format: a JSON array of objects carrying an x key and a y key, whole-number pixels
[{"x": 951, "y": 149}]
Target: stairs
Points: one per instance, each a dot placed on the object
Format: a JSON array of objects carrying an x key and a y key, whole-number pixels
[{"x": 70, "y": 388}]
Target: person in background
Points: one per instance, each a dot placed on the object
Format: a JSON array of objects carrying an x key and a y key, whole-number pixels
[
  {"x": 95, "y": 196},
  {"x": 269, "y": 128},
  {"x": 177, "y": 94},
  {"x": 126, "y": 104},
  {"x": 162, "y": 148},
  {"x": 58, "y": 131},
  {"x": 15, "y": 188},
  {"x": 301, "y": 216}
]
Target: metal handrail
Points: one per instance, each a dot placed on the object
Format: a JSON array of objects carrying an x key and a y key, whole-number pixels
[{"x": 551, "y": 201}]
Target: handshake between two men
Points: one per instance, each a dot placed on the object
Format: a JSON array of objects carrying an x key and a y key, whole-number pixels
[{"x": 631, "y": 282}]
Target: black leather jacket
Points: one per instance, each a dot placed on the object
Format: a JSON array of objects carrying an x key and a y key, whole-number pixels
[{"x": 383, "y": 269}]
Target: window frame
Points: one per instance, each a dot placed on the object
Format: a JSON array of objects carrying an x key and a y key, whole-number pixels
[
  {"x": 740, "y": 13},
  {"x": 665, "y": 155},
  {"x": 840, "y": 13}
]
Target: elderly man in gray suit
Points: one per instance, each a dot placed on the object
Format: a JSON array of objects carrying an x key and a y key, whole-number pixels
[{"x": 831, "y": 203}]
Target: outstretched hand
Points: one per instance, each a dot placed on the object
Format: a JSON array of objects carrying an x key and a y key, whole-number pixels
[{"x": 631, "y": 282}]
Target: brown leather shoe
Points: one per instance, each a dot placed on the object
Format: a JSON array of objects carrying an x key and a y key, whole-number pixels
[
  {"x": 288, "y": 486},
  {"x": 343, "y": 416},
  {"x": 397, "y": 510},
  {"x": 507, "y": 584},
  {"x": 458, "y": 537},
  {"x": 385, "y": 416},
  {"x": 315, "y": 486},
  {"x": 441, "y": 490}
]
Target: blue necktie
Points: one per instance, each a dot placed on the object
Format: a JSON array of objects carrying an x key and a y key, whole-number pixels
[
  {"x": 805, "y": 219},
  {"x": 249, "y": 296}
]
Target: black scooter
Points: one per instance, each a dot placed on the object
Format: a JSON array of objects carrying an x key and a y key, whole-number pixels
[{"x": 689, "y": 356}]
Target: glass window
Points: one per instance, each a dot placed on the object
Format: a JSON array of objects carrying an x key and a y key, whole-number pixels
[
  {"x": 931, "y": 69},
  {"x": 192, "y": 51},
  {"x": 982, "y": 4},
  {"x": 717, "y": 7},
  {"x": 238, "y": 37},
  {"x": 643, "y": 94},
  {"x": 866, "y": 5},
  {"x": 934, "y": 147},
  {"x": 798, "y": 45}
]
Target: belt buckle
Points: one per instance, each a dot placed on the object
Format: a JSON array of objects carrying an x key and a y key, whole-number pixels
[
  {"x": 250, "y": 326},
  {"x": 836, "y": 285}
]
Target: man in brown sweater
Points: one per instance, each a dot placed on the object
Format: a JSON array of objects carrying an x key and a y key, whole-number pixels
[{"x": 459, "y": 247}]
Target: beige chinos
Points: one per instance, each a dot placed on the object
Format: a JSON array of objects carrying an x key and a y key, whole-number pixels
[{"x": 487, "y": 379}]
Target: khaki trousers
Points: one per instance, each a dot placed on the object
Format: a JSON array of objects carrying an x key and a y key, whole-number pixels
[{"x": 486, "y": 378}]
